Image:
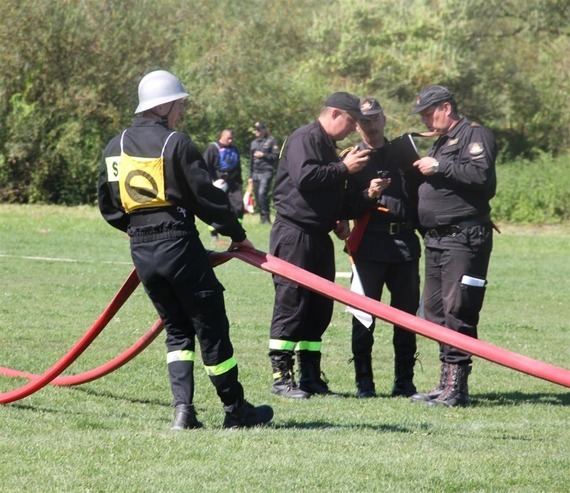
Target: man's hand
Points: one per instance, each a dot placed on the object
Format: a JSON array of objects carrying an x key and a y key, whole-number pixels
[
  {"x": 426, "y": 165},
  {"x": 342, "y": 229},
  {"x": 356, "y": 159},
  {"x": 377, "y": 186},
  {"x": 238, "y": 245}
]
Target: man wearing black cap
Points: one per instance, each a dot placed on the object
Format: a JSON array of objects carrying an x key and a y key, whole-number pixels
[
  {"x": 459, "y": 182},
  {"x": 308, "y": 197},
  {"x": 263, "y": 156},
  {"x": 386, "y": 252}
]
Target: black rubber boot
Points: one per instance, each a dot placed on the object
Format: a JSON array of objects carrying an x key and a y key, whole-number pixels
[
  {"x": 283, "y": 377},
  {"x": 242, "y": 414},
  {"x": 310, "y": 380},
  {"x": 404, "y": 376},
  {"x": 181, "y": 375},
  {"x": 185, "y": 418},
  {"x": 363, "y": 376},
  {"x": 435, "y": 392},
  {"x": 456, "y": 392}
]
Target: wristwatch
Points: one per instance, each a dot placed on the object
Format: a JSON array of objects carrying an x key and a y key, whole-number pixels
[{"x": 435, "y": 167}]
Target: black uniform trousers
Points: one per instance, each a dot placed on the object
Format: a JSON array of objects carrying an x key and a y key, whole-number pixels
[
  {"x": 177, "y": 275},
  {"x": 261, "y": 189},
  {"x": 403, "y": 282},
  {"x": 300, "y": 314},
  {"x": 447, "y": 301}
]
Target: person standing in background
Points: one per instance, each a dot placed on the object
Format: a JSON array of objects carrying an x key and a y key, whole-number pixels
[
  {"x": 263, "y": 156},
  {"x": 223, "y": 161},
  {"x": 459, "y": 181}
]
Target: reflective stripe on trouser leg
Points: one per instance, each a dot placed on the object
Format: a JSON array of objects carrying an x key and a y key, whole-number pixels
[
  {"x": 181, "y": 373},
  {"x": 281, "y": 345},
  {"x": 222, "y": 367},
  {"x": 314, "y": 346},
  {"x": 228, "y": 387}
]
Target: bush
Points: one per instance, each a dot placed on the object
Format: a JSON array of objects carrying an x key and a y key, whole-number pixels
[{"x": 533, "y": 191}]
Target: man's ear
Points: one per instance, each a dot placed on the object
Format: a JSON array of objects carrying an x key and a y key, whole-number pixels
[{"x": 336, "y": 113}]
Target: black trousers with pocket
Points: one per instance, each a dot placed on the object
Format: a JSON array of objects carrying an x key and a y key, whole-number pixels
[{"x": 178, "y": 277}]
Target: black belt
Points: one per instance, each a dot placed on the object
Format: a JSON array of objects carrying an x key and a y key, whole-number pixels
[
  {"x": 393, "y": 228},
  {"x": 450, "y": 229},
  {"x": 157, "y": 216}
]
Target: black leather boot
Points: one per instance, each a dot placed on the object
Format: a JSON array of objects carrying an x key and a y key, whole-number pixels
[
  {"x": 363, "y": 376},
  {"x": 435, "y": 392},
  {"x": 242, "y": 414},
  {"x": 283, "y": 377},
  {"x": 404, "y": 376},
  {"x": 310, "y": 380},
  {"x": 185, "y": 418},
  {"x": 456, "y": 392}
]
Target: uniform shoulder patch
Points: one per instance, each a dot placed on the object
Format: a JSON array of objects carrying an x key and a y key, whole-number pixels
[
  {"x": 475, "y": 124},
  {"x": 476, "y": 148}
]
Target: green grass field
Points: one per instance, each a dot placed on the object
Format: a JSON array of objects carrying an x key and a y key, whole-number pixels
[{"x": 61, "y": 266}]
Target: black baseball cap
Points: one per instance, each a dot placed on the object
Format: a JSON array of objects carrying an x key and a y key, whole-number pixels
[
  {"x": 345, "y": 101},
  {"x": 430, "y": 96},
  {"x": 370, "y": 107},
  {"x": 259, "y": 126}
]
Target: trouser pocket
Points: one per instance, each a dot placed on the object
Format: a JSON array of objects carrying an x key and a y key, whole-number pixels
[{"x": 468, "y": 302}]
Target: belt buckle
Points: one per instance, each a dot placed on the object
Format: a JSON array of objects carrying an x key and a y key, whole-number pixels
[{"x": 394, "y": 228}]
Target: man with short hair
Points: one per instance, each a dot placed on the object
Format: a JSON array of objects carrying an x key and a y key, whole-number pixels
[
  {"x": 308, "y": 197},
  {"x": 223, "y": 160},
  {"x": 152, "y": 184},
  {"x": 459, "y": 181},
  {"x": 263, "y": 156}
]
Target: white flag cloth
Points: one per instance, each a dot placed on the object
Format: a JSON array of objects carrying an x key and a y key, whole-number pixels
[{"x": 356, "y": 286}]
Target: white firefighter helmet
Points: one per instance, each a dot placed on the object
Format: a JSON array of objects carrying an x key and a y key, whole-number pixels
[{"x": 157, "y": 88}]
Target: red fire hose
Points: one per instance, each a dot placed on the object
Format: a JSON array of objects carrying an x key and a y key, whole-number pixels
[
  {"x": 311, "y": 281},
  {"x": 51, "y": 376},
  {"x": 42, "y": 380},
  {"x": 427, "y": 329}
]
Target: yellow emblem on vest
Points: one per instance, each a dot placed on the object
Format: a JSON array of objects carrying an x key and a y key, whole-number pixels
[{"x": 141, "y": 182}]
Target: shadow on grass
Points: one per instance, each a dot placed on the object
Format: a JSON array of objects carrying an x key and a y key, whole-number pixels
[
  {"x": 515, "y": 398},
  {"x": 93, "y": 393},
  {"x": 111, "y": 395},
  {"x": 324, "y": 425}
]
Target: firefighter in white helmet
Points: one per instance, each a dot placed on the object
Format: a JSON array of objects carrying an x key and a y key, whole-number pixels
[{"x": 152, "y": 183}]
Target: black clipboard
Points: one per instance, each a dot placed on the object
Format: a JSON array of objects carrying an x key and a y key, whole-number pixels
[{"x": 403, "y": 151}]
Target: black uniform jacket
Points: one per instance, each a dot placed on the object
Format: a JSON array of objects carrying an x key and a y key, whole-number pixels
[
  {"x": 267, "y": 145},
  {"x": 466, "y": 180},
  {"x": 187, "y": 182},
  {"x": 310, "y": 182},
  {"x": 390, "y": 233},
  {"x": 212, "y": 158}
]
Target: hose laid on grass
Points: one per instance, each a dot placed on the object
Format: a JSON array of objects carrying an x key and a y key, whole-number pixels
[
  {"x": 306, "y": 279},
  {"x": 40, "y": 381},
  {"x": 51, "y": 376},
  {"x": 415, "y": 324}
]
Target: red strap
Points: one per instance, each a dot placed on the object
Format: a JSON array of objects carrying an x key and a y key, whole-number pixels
[{"x": 355, "y": 237}]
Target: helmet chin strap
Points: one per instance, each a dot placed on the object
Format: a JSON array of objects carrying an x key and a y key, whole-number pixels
[{"x": 163, "y": 118}]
